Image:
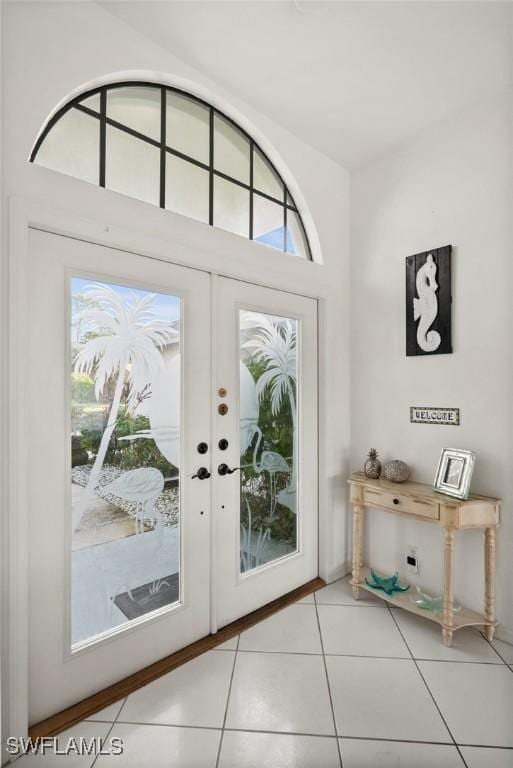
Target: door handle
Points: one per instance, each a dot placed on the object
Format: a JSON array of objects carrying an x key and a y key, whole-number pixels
[
  {"x": 224, "y": 469},
  {"x": 201, "y": 474}
]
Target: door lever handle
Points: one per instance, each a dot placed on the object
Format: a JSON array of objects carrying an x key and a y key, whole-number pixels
[
  {"x": 224, "y": 469},
  {"x": 201, "y": 474}
]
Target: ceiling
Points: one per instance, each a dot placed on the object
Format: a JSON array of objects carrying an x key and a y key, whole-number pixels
[{"x": 353, "y": 79}]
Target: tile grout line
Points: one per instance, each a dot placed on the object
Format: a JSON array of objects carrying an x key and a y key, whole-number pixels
[
  {"x": 427, "y": 687},
  {"x": 110, "y": 729},
  {"x": 369, "y": 656},
  {"x": 496, "y": 651},
  {"x": 227, "y": 703},
  {"x": 339, "y": 749},
  {"x": 350, "y": 605},
  {"x": 301, "y": 733},
  {"x": 106, "y": 737},
  {"x": 121, "y": 708}
]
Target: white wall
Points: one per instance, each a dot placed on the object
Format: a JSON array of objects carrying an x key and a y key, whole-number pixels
[
  {"x": 52, "y": 49},
  {"x": 452, "y": 184}
]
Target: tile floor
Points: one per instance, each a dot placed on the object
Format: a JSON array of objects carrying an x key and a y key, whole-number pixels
[{"x": 326, "y": 683}]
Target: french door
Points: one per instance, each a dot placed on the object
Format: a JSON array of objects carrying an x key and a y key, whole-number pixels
[
  {"x": 171, "y": 459},
  {"x": 266, "y": 427}
]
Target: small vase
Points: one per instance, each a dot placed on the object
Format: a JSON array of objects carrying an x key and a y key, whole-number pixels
[{"x": 372, "y": 467}]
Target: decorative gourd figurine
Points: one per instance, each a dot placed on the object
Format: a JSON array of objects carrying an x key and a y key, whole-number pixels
[
  {"x": 372, "y": 467},
  {"x": 396, "y": 471}
]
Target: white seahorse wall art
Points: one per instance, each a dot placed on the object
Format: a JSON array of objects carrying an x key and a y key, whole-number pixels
[{"x": 425, "y": 307}]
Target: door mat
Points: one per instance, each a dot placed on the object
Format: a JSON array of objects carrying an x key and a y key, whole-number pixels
[{"x": 149, "y": 597}]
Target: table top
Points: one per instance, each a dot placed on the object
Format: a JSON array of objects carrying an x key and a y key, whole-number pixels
[{"x": 419, "y": 489}]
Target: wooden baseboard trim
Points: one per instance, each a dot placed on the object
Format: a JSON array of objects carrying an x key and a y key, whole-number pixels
[{"x": 87, "y": 707}]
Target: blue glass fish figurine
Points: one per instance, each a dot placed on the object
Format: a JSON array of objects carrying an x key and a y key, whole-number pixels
[{"x": 388, "y": 584}]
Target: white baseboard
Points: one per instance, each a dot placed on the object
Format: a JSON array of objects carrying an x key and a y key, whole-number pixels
[{"x": 332, "y": 574}]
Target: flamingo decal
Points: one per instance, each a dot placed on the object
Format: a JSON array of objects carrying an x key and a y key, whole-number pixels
[
  {"x": 270, "y": 462},
  {"x": 141, "y": 487}
]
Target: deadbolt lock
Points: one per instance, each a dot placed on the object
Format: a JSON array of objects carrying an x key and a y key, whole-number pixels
[
  {"x": 222, "y": 391},
  {"x": 222, "y": 409}
]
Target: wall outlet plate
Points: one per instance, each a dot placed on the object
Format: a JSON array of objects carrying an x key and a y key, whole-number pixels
[{"x": 412, "y": 560}]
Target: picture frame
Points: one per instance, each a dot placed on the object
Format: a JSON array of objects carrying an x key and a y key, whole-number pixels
[{"x": 454, "y": 472}]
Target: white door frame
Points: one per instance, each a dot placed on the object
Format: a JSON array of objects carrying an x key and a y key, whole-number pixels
[{"x": 253, "y": 261}]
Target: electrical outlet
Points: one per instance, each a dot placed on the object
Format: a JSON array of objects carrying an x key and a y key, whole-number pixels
[{"x": 412, "y": 560}]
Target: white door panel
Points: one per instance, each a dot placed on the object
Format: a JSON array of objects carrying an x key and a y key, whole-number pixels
[
  {"x": 105, "y": 599},
  {"x": 265, "y": 513}
]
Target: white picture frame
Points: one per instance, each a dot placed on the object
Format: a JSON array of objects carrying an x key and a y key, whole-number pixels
[{"x": 454, "y": 472}]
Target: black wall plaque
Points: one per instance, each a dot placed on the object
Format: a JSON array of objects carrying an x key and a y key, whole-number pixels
[{"x": 431, "y": 323}]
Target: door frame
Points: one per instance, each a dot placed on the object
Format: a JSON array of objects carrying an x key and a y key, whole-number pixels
[{"x": 251, "y": 263}]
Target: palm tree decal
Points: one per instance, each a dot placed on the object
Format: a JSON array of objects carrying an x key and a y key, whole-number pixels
[
  {"x": 128, "y": 347},
  {"x": 275, "y": 343}
]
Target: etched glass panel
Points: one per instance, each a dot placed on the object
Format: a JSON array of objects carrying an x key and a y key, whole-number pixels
[
  {"x": 132, "y": 166},
  {"x": 231, "y": 150},
  {"x": 125, "y": 455},
  {"x": 72, "y": 146},
  {"x": 188, "y": 126},
  {"x": 187, "y": 188},
  {"x": 296, "y": 239},
  {"x": 231, "y": 207},
  {"x": 264, "y": 177},
  {"x": 268, "y": 438},
  {"x": 92, "y": 102},
  {"x": 268, "y": 223},
  {"x": 137, "y": 107}
]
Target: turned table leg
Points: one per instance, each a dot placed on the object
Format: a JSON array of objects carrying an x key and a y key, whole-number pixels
[
  {"x": 490, "y": 582},
  {"x": 357, "y": 548},
  {"x": 448, "y": 615}
]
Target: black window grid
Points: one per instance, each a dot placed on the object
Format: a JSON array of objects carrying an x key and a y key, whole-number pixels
[{"x": 286, "y": 202}]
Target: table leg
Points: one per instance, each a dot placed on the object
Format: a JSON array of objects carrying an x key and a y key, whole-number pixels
[
  {"x": 357, "y": 548},
  {"x": 448, "y": 616},
  {"x": 490, "y": 581}
]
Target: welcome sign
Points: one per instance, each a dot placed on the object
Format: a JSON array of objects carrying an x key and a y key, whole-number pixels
[{"x": 450, "y": 416}]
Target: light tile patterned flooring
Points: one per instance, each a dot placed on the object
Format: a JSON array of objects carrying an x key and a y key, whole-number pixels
[{"x": 325, "y": 683}]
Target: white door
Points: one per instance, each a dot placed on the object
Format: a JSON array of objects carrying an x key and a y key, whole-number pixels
[
  {"x": 119, "y": 400},
  {"x": 133, "y": 443},
  {"x": 265, "y": 511}
]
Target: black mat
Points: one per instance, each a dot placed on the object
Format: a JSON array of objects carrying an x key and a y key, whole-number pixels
[{"x": 144, "y": 601}]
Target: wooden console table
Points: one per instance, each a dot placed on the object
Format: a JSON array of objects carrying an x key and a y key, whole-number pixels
[{"x": 420, "y": 502}]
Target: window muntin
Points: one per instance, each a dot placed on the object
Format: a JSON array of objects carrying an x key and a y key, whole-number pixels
[{"x": 171, "y": 149}]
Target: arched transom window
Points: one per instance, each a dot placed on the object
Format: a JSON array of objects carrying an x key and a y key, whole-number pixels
[{"x": 173, "y": 150}]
